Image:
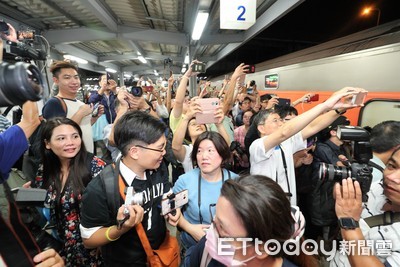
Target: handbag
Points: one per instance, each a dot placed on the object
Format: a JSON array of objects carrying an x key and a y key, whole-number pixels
[
  {"x": 166, "y": 255},
  {"x": 98, "y": 127}
]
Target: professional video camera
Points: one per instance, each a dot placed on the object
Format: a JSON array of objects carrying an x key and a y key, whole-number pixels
[
  {"x": 30, "y": 202},
  {"x": 21, "y": 81},
  {"x": 359, "y": 169}
]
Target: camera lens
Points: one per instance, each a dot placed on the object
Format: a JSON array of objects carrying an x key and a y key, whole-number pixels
[
  {"x": 136, "y": 91},
  {"x": 18, "y": 83},
  {"x": 329, "y": 172}
]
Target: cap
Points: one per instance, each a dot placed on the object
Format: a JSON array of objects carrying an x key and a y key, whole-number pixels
[
  {"x": 341, "y": 120},
  {"x": 324, "y": 134}
]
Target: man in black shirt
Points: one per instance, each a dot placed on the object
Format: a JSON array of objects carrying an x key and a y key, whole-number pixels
[{"x": 141, "y": 139}]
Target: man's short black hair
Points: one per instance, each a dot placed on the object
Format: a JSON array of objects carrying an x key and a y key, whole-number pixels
[{"x": 385, "y": 136}]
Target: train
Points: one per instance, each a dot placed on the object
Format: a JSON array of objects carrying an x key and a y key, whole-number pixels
[{"x": 368, "y": 59}]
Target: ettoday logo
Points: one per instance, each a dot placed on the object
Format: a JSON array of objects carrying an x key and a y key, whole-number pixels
[{"x": 293, "y": 247}]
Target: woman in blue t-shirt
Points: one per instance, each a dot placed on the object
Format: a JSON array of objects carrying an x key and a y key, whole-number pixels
[{"x": 210, "y": 153}]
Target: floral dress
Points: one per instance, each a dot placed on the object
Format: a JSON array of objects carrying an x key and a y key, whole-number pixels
[{"x": 65, "y": 214}]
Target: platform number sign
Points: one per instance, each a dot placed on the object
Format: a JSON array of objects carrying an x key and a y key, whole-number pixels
[{"x": 237, "y": 14}]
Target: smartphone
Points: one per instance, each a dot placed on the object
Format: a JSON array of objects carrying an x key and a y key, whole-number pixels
[
  {"x": 108, "y": 77},
  {"x": 314, "y": 98},
  {"x": 252, "y": 69},
  {"x": 283, "y": 101},
  {"x": 4, "y": 27},
  {"x": 359, "y": 98},
  {"x": 199, "y": 67},
  {"x": 26, "y": 35},
  {"x": 208, "y": 107},
  {"x": 148, "y": 89},
  {"x": 170, "y": 204},
  {"x": 95, "y": 110}
]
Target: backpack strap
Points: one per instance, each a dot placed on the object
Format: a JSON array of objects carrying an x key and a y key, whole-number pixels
[
  {"x": 376, "y": 166},
  {"x": 109, "y": 177},
  {"x": 62, "y": 102},
  {"x": 386, "y": 218}
]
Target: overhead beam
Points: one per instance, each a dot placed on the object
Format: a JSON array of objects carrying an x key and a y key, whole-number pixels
[
  {"x": 82, "y": 34},
  {"x": 271, "y": 15},
  {"x": 153, "y": 36},
  {"x": 85, "y": 34},
  {"x": 101, "y": 12},
  {"x": 62, "y": 11}
]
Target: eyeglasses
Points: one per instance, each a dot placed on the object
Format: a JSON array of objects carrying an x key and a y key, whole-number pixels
[
  {"x": 273, "y": 121},
  {"x": 152, "y": 149}
]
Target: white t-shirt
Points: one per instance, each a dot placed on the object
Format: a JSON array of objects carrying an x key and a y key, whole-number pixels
[
  {"x": 187, "y": 161},
  {"x": 270, "y": 163}
]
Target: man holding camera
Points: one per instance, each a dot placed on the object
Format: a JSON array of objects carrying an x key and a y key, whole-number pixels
[
  {"x": 370, "y": 231},
  {"x": 141, "y": 139}
]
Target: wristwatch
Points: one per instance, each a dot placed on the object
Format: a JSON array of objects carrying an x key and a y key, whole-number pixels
[
  {"x": 340, "y": 112},
  {"x": 348, "y": 223}
]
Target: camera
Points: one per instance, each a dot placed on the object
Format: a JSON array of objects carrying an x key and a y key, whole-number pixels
[
  {"x": 134, "y": 198},
  {"x": 18, "y": 83},
  {"x": 235, "y": 146},
  {"x": 136, "y": 91},
  {"x": 29, "y": 201},
  {"x": 359, "y": 169}
]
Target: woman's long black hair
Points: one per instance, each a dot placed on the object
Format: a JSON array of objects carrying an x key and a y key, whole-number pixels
[{"x": 79, "y": 174}]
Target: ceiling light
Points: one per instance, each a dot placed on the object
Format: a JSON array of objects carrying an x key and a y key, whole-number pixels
[
  {"x": 77, "y": 59},
  {"x": 199, "y": 25},
  {"x": 142, "y": 59},
  {"x": 186, "y": 61},
  {"x": 111, "y": 70},
  {"x": 156, "y": 73},
  {"x": 127, "y": 75}
]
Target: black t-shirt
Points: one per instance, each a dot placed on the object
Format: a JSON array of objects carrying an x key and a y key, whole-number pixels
[
  {"x": 53, "y": 108},
  {"x": 127, "y": 250}
]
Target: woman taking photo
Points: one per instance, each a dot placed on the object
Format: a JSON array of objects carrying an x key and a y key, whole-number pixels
[
  {"x": 66, "y": 171},
  {"x": 189, "y": 130},
  {"x": 210, "y": 153}
]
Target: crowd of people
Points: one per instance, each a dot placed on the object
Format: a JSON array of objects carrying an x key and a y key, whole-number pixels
[{"x": 253, "y": 173}]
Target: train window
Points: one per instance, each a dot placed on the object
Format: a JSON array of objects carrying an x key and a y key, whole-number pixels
[{"x": 378, "y": 110}]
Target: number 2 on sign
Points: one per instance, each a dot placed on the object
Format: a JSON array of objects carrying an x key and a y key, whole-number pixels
[{"x": 240, "y": 17}]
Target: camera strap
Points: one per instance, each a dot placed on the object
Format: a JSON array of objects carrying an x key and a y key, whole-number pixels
[
  {"x": 21, "y": 246},
  {"x": 199, "y": 191},
  {"x": 288, "y": 194},
  {"x": 386, "y": 218}
]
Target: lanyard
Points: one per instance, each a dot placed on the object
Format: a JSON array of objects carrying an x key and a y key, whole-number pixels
[
  {"x": 199, "y": 190},
  {"x": 289, "y": 194}
]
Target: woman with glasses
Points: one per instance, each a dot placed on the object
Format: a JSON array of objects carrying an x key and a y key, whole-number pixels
[
  {"x": 256, "y": 209},
  {"x": 210, "y": 153},
  {"x": 189, "y": 130}
]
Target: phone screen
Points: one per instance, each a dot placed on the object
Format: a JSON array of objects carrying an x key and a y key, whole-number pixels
[
  {"x": 169, "y": 205},
  {"x": 26, "y": 35},
  {"x": 359, "y": 98}
]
